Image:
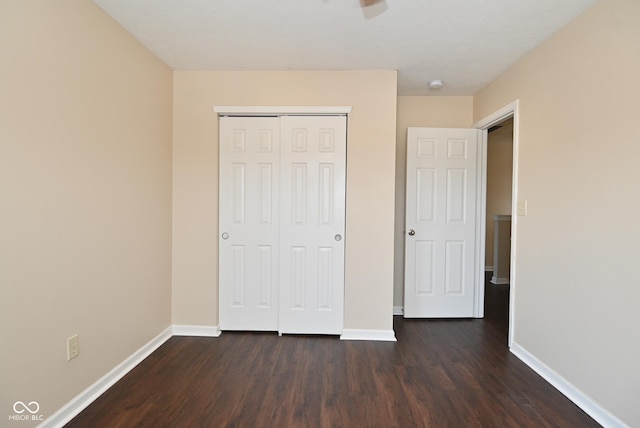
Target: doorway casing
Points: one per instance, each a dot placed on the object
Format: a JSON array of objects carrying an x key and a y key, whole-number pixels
[{"x": 510, "y": 110}]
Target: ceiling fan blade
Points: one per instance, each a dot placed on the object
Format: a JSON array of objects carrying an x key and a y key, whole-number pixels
[{"x": 367, "y": 3}]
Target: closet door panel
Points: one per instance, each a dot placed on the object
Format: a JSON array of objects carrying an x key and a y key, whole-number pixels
[
  {"x": 312, "y": 216},
  {"x": 248, "y": 223}
]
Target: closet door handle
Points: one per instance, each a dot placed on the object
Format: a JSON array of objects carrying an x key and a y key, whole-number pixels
[
  {"x": 412, "y": 232},
  {"x": 225, "y": 235},
  {"x": 338, "y": 237}
]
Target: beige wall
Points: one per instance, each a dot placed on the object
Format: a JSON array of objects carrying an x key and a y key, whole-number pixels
[
  {"x": 85, "y": 212},
  {"x": 370, "y": 182},
  {"x": 577, "y": 286},
  {"x": 86, "y": 206},
  {"x": 434, "y": 112},
  {"x": 499, "y": 172}
]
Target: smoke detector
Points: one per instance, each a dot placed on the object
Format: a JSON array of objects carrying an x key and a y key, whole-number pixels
[{"x": 436, "y": 84}]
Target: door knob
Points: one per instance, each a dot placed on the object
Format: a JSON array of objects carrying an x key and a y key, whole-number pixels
[
  {"x": 225, "y": 235},
  {"x": 338, "y": 237},
  {"x": 412, "y": 232}
]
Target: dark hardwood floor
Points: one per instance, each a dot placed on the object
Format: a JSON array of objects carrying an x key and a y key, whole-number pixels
[{"x": 440, "y": 373}]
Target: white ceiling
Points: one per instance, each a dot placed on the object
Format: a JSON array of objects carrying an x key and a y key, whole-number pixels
[{"x": 466, "y": 43}]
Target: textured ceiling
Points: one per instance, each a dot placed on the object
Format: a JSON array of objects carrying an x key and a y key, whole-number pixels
[{"x": 466, "y": 43}]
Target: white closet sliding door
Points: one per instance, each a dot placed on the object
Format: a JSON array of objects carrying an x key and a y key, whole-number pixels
[
  {"x": 312, "y": 219},
  {"x": 282, "y": 223},
  {"x": 248, "y": 223}
]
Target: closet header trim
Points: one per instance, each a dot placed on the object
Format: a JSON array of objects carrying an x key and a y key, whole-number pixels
[{"x": 281, "y": 110}]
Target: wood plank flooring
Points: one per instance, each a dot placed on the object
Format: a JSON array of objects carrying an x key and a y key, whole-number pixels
[{"x": 440, "y": 373}]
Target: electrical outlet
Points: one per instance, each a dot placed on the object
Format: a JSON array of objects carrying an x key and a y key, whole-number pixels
[{"x": 73, "y": 347}]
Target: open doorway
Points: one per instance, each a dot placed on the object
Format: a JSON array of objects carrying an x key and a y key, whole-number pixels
[
  {"x": 507, "y": 114},
  {"x": 498, "y": 223}
]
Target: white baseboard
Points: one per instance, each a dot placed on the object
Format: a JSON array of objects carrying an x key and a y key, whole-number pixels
[
  {"x": 379, "y": 335},
  {"x": 499, "y": 281},
  {"x": 488, "y": 268},
  {"x": 86, "y": 397},
  {"x": 89, "y": 395},
  {"x": 580, "y": 399},
  {"x": 196, "y": 330},
  {"x": 398, "y": 310}
]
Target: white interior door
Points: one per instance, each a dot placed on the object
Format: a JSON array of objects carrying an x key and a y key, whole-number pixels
[
  {"x": 249, "y": 223},
  {"x": 441, "y": 223},
  {"x": 282, "y": 223},
  {"x": 312, "y": 220}
]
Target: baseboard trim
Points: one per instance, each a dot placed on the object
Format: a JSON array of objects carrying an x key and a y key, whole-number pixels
[
  {"x": 499, "y": 281},
  {"x": 488, "y": 268},
  {"x": 398, "y": 310},
  {"x": 378, "y": 335},
  {"x": 196, "y": 330},
  {"x": 89, "y": 395},
  {"x": 580, "y": 399}
]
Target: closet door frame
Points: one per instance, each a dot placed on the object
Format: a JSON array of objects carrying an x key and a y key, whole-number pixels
[
  {"x": 271, "y": 111},
  {"x": 280, "y": 110}
]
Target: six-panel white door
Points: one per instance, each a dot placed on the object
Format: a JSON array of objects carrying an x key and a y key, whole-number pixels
[
  {"x": 249, "y": 223},
  {"x": 441, "y": 223},
  {"x": 282, "y": 219},
  {"x": 312, "y": 220}
]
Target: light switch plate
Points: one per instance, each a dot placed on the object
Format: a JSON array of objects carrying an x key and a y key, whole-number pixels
[
  {"x": 522, "y": 207},
  {"x": 73, "y": 347}
]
